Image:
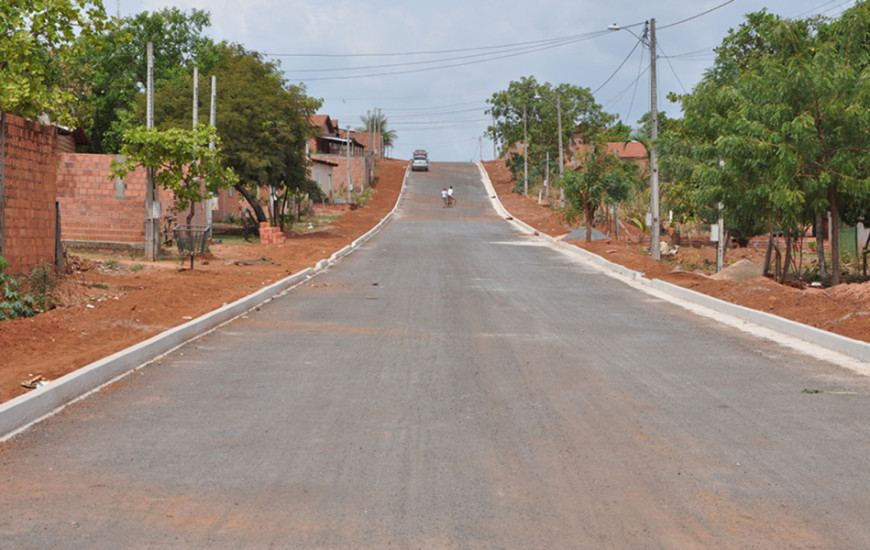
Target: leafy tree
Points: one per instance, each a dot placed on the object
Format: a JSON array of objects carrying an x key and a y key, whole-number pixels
[
  {"x": 115, "y": 66},
  {"x": 37, "y": 46},
  {"x": 262, "y": 120},
  {"x": 601, "y": 178},
  {"x": 786, "y": 108},
  {"x": 580, "y": 115},
  {"x": 181, "y": 159},
  {"x": 376, "y": 122}
]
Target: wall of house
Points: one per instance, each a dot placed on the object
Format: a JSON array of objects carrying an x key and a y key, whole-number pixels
[
  {"x": 27, "y": 234},
  {"x": 323, "y": 174},
  {"x": 361, "y": 170}
]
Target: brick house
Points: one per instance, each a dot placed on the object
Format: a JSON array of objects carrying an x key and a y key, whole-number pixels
[{"x": 339, "y": 148}]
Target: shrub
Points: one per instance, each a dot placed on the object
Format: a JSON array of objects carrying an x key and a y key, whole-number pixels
[
  {"x": 12, "y": 303},
  {"x": 42, "y": 284}
]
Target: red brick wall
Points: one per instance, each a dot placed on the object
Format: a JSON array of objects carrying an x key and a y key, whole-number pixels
[
  {"x": 30, "y": 184},
  {"x": 360, "y": 172},
  {"x": 98, "y": 211},
  {"x": 95, "y": 209}
]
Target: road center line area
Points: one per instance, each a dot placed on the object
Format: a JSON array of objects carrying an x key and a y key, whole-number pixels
[{"x": 437, "y": 389}]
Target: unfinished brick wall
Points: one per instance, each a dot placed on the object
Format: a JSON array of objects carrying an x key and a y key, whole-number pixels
[
  {"x": 28, "y": 231},
  {"x": 96, "y": 210}
]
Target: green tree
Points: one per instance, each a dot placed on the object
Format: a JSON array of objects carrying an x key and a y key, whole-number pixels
[
  {"x": 580, "y": 115},
  {"x": 115, "y": 66},
  {"x": 37, "y": 47},
  {"x": 601, "y": 178},
  {"x": 182, "y": 161},
  {"x": 377, "y": 122},
  {"x": 262, "y": 120},
  {"x": 786, "y": 110}
]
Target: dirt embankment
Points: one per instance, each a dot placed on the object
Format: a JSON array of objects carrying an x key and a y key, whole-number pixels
[{"x": 111, "y": 305}]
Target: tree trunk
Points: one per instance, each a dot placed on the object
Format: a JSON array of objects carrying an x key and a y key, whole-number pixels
[
  {"x": 766, "y": 270},
  {"x": 787, "y": 261},
  {"x": 820, "y": 247},
  {"x": 253, "y": 201},
  {"x": 191, "y": 213},
  {"x": 590, "y": 219},
  {"x": 835, "y": 236}
]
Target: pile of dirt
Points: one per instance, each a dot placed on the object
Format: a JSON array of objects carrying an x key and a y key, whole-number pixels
[
  {"x": 114, "y": 301},
  {"x": 844, "y": 309}
]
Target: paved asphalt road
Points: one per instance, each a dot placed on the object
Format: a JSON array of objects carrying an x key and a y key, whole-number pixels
[{"x": 455, "y": 384}]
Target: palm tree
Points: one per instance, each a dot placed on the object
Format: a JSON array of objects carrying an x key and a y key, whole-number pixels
[{"x": 376, "y": 122}]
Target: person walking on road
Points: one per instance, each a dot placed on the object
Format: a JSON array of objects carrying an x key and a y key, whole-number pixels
[
  {"x": 444, "y": 197},
  {"x": 450, "y": 196}
]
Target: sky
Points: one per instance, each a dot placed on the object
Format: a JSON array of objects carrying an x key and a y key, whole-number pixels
[{"x": 430, "y": 67}]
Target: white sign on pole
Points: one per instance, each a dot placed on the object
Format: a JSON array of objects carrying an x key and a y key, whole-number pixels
[{"x": 714, "y": 233}]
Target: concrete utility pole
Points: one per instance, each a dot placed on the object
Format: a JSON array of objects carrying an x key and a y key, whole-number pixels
[
  {"x": 152, "y": 206},
  {"x": 195, "y": 97},
  {"x": 655, "y": 246},
  {"x": 212, "y": 118},
  {"x": 525, "y": 152},
  {"x": 349, "y": 182},
  {"x": 720, "y": 246}
]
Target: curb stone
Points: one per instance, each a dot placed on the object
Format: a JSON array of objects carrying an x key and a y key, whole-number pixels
[
  {"x": 850, "y": 347},
  {"x": 17, "y": 414}
]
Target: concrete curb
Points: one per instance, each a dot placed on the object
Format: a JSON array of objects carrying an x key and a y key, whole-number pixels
[
  {"x": 852, "y": 348},
  {"x": 25, "y": 410}
]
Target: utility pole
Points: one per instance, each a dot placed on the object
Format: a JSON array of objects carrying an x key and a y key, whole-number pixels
[
  {"x": 212, "y": 117},
  {"x": 655, "y": 247},
  {"x": 349, "y": 182},
  {"x": 152, "y": 207},
  {"x": 525, "y": 152}
]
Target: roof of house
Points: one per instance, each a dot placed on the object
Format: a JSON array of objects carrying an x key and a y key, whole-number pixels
[
  {"x": 324, "y": 122},
  {"x": 632, "y": 150}
]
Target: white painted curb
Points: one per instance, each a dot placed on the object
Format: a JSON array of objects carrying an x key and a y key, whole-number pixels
[
  {"x": 25, "y": 410},
  {"x": 849, "y": 347}
]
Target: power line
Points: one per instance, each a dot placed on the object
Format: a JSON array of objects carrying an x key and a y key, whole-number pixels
[
  {"x": 447, "y": 66},
  {"x": 413, "y": 63},
  {"x": 438, "y": 52},
  {"x": 722, "y": 5},
  {"x": 609, "y": 78}
]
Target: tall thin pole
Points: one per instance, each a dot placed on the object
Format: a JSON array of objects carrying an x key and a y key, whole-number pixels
[
  {"x": 212, "y": 119},
  {"x": 655, "y": 247},
  {"x": 525, "y": 152},
  {"x": 561, "y": 154},
  {"x": 2, "y": 183},
  {"x": 349, "y": 182},
  {"x": 151, "y": 236},
  {"x": 195, "y": 97}
]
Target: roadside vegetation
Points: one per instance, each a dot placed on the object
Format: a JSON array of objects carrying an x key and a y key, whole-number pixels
[{"x": 774, "y": 134}]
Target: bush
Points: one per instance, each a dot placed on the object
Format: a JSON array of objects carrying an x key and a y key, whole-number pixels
[
  {"x": 42, "y": 284},
  {"x": 13, "y": 304}
]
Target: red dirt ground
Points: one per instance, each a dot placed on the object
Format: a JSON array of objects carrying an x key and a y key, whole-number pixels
[
  {"x": 108, "y": 309},
  {"x": 844, "y": 309},
  {"x": 95, "y": 322}
]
